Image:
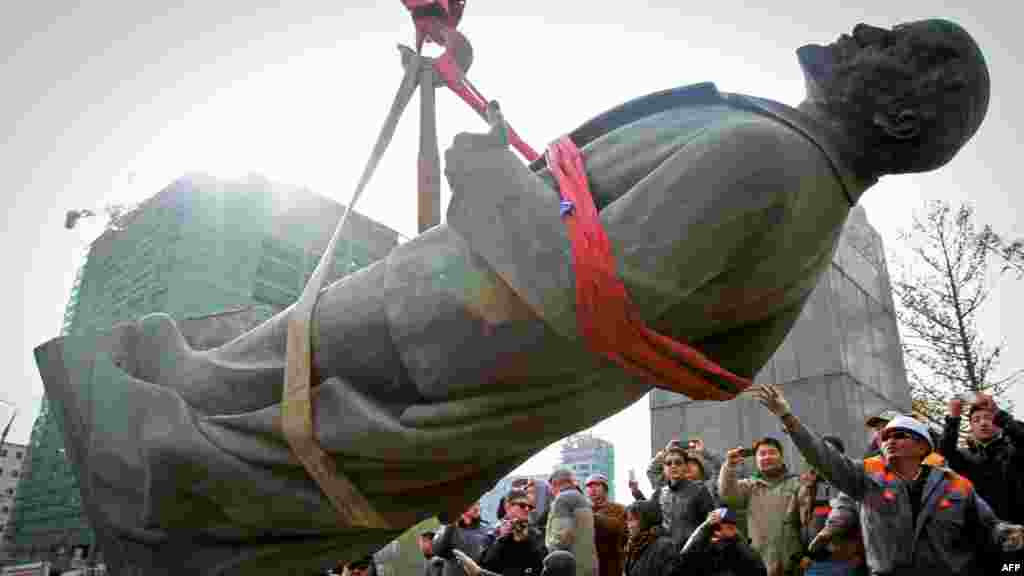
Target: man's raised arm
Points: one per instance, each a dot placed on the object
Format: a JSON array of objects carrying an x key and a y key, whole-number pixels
[{"x": 845, "y": 474}]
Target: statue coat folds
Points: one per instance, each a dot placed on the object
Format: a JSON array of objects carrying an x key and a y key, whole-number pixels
[{"x": 450, "y": 362}]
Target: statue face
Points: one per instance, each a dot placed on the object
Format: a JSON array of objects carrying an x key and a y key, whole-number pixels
[{"x": 910, "y": 96}]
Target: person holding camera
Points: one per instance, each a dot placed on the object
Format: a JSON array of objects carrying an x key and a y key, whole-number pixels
[
  {"x": 698, "y": 454},
  {"x": 993, "y": 459},
  {"x": 469, "y": 533},
  {"x": 684, "y": 503},
  {"x": 517, "y": 549},
  {"x": 770, "y": 496}
]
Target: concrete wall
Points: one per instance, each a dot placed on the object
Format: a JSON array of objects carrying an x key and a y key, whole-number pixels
[{"x": 841, "y": 362}]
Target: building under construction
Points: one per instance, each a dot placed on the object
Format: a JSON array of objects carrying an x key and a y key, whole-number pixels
[
  {"x": 199, "y": 247},
  {"x": 587, "y": 455}
]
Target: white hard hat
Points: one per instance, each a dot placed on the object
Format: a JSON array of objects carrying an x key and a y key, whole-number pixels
[{"x": 911, "y": 425}]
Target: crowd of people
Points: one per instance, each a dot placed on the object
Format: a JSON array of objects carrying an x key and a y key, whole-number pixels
[{"x": 917, "y": 502}]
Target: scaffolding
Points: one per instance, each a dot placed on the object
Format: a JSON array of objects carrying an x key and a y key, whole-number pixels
[{"x": 197, "y": 248}]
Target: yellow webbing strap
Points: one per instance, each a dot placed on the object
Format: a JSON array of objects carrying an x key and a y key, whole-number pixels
[{"x": 296, "y": 401}]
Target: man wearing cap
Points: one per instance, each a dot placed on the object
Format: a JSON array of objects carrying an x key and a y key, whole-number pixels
[
  {"x": 609, "y": 526},
  {"x": 571, "y": 522},
  {"x": 717, "y": 549},
  {"x": 915, "y": 518},
  {"x": 993, "y": 458},
  {"x": 684, "y": 504},
  {"x": 875, "y": 424}
]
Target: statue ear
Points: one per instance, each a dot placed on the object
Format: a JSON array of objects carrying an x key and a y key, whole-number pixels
[{"x": 904, "y": 125}]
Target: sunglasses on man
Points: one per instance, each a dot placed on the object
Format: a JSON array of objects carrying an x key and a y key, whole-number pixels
[
  {"x": 897, "y": 435},
  {"x": 524, "y": 505},
  {"x": 674, "y": 462}
]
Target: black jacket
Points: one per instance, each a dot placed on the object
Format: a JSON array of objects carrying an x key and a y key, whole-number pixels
[
  {"x": 699, "y": 556},
  {"x": 507, "y": 557},
  {"x": 657, "y": 559},
  {"x": 995, "y": 469},
  {"x": 470, "y": 539},
  {"x": 434, "y": 566},
  {"x": 684, "y": 505}
]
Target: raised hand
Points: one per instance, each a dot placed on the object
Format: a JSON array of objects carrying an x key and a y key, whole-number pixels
[
  {"x": 772, "y": 399},
  {"x": 956, "y": 407},
  {"x": 468, "y": 565},
  {"x": 715, "y": 516},
  {"x": 735, "y": 456},
  {"x": 821, "y": 540}
]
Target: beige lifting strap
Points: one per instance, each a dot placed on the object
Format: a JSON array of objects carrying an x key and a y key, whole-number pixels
[{"x": 296, "y": 403}]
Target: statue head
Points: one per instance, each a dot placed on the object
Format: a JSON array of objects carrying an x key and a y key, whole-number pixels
[{"x": 909, "y": 98}]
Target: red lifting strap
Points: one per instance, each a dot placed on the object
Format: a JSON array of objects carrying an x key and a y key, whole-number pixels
[{"x": 605, "y": 315}]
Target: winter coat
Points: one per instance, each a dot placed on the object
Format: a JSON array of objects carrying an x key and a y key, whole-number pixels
[
  {"x": 952, "y": 525},
  {"x": 773, "y": 515},
  {"x": 507, "y": 557},
  {"x": 814, "y": 505},
  {"x": 471, "y": 539},
  {"x": 571, "y": 528},
  {"x": 995, "y": 468},
  {"x": 684, "y": 505},
  {"x": 658, "y": 558},
  {"x": 610, "y": 537},
  {"x": 700, "y": 556}
]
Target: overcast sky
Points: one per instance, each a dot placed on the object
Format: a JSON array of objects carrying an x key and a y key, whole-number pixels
[{"x": 111, "y": 101}]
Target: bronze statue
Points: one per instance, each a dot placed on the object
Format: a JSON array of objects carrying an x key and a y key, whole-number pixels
[{"x": 456, "y": 358}]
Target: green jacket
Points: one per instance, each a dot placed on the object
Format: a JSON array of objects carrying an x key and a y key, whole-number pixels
[{"x": 773, "y": 515}]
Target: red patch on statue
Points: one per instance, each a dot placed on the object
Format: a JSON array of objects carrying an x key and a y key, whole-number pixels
[
  {"x": 889, "y": 496},
  {"x": 944, "y": 503}
]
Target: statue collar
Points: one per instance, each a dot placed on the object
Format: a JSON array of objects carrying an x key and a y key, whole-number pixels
[{"x": 833, "y": 147}]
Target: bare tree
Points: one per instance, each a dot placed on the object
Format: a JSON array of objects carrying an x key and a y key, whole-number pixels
[
  {"x": 939, "y": 294},
  {"x": 1012, "y": 252}
]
